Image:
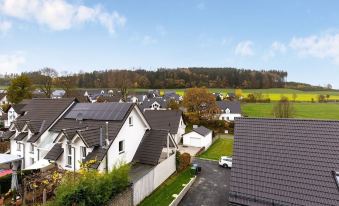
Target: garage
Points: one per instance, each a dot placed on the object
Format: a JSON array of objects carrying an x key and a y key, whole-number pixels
[{"x": 199, "y": 137}]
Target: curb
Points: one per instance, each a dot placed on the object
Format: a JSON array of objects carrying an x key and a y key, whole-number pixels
[{"x": 183, "y": 192}]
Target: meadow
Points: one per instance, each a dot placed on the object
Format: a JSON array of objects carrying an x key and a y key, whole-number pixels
[
  {"x": 301, "y": 110},
  {"x": 274, "y": 94}
]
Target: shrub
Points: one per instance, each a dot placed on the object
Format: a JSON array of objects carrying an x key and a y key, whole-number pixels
[
  {"x": 184, "y": 161},
  {"x": 91, "y": 187}
]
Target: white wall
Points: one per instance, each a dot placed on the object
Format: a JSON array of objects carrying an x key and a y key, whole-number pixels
[
  {"x": 181, "y": 131},
  {"x": 194, "y": 139},
  {"x": 132, "y": 135},
  {"x": 228, "y": 116},
  {"x": 153, "y": 179}
]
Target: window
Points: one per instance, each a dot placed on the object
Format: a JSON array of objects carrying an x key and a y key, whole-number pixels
[
  {"x": 32, "y": 148},
  {"x": 18, "y": 147},
  {"x": 121, "y": 146},
  {"x": 32, "y": 161},
  {"x": 130, "y": 121},
  {"x": 83, "y": 153},
  {"x": 69, "y": 155}
]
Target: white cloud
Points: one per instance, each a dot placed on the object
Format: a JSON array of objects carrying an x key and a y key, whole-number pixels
[
  {"x": 59, "y": 14},
  {"x": 5, "y": 26},
  {"x": 324, "y": 46},
  {"x": 10, "y": 63},
  {"x": 278, "y": 47},
  {"x": 244, "y": 48}
]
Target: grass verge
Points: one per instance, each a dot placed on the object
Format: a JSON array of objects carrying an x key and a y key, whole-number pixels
[{"x": 163, "y": 194}]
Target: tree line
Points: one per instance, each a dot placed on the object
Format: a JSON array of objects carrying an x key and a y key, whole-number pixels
[{"x": 165, "y": 78}]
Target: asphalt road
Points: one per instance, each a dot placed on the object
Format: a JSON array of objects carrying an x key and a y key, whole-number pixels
[{"x": 211, "y": 186}]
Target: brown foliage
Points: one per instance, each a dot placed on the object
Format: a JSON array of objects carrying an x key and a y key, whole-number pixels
[{"x": 184, "y": 161}]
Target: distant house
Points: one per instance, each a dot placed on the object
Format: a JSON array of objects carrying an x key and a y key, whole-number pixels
[
  {"x": 285, "y": 162},
  {"x": 199, "y": 137},
  {"x": 58, "y": 94},
  {"x": 173, "y": 96},
  {"x": 231, "y": 96},
  {"x": 137, "y": 98},
  {"x": 170, "y": 120},
  {"x": 3, "y": 99},
  {"x": 218, "y": 96},
  {"x": 229, "y": 110},
  {"x": 158, "y": 103},
  {"x": 13, "y": 112}
]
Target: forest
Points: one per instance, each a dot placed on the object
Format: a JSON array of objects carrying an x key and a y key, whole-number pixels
[{"x": 165, "y": 78}]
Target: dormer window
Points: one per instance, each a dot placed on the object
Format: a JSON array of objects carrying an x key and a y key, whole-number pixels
[
  {"x": 83, "y": 153},
  {"x": 32, "y": 148},
  {"x": 228, "y": 111},
  {"x": 18, "y": 147},
  {"x": 69, "y": 155}
]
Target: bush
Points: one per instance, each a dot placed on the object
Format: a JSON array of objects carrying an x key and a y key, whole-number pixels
[
  {"x": 184, "y": 161},
  {"x": 91, "y": 187}
]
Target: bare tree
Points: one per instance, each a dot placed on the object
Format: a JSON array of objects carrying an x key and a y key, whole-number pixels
[
  {"x": 283, "y": 109},
  {"x": 67, "y": 82},
  {"x": 46, "y": 80}
]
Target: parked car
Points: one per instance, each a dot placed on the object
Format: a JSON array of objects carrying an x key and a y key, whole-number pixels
[{"x": 225, "y": 161}]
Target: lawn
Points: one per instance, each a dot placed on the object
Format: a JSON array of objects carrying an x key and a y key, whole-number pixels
[
  {"x": 302, "y": 110},
  {"x": 163, "y": 195},
  {"x": 221, "y": 147}
]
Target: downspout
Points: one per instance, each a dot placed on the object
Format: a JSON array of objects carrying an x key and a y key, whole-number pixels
[
  {"x": 107, "y": 143},
  {"x": 168, "y": 145}
]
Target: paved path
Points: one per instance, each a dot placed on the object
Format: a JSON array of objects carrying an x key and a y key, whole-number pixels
[{"x": 211, "y": 186}]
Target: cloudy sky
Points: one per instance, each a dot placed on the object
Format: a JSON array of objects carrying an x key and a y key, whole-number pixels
[{"x": 301, "y": 37}]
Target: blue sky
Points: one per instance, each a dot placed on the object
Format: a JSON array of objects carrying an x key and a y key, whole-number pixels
[{"x": 301, "y": 37}]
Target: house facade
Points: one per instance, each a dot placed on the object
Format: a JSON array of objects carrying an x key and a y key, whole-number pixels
[{"x": 229, "y": 110}]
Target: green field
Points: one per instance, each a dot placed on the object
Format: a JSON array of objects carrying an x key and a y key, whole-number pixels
[
  {"x": 302, "y": 110},
  {"x": 221, "y": 147},
  {"x": 163, "y": 195},
  {"x": 274, "y": 94}
]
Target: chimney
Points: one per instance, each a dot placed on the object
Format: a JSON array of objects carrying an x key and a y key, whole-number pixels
[
  {"x": 101, "y": 140},
  {"x": 107, "y": 139}
]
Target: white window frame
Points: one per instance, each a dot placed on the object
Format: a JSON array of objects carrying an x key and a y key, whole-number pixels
[
  {"x": 18, "y": 146},
  {"x": 130, "y": 121},
  {"x": 32, "y": 149},
  {"x": 69, "y": 155},
  {"x": 123, "y": 146},
  {"x": 83, "y": 151}
]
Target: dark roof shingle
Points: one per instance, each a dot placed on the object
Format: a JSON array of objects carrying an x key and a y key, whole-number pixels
[
  {"x": 55, "y": 152},
  {"x": 151, "y": 146},
  {"x": 98, "y": 155},
  {"x": 202, "y": 130},
  {"x": 285, "y": 161},
  {"x": 21, "y": 136},
  {"x": 233, "y": 106},
  {"x": 164, "y": 119}
]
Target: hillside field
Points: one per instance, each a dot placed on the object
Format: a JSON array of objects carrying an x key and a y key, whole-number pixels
[
  {"x": 302, "y": 110},
  {"x": 274, "y": 94}
]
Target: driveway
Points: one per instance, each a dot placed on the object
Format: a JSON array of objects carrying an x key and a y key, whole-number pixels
[
  {"x": 211, "y": 186},
  {"x": 190, "y": 150}
]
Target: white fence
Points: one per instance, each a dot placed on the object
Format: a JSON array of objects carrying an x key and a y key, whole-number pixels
[{"x": 149, "y": 182}]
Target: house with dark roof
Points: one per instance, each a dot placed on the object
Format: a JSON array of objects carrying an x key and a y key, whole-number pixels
[
  {"x": 158, "y": 103},
  {"x": 12, "y": 113},
  {"x": 137, "y": 98},
  {"x": 285, "y": 162},
  {"x": 173, "y": 96},
  {"x": 108, "y": 133},
  {"x": 198, "y": 137},
  {"x": 171, "y": 120},
  {"x": 3, "y": 99},
  {"x": 58, "y": 93},
  {"x": 32, "y": 138},
  {"x": 229, "y": 110}
]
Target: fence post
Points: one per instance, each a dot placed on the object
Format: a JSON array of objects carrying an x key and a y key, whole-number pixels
[{"x": 44, "y": 197}]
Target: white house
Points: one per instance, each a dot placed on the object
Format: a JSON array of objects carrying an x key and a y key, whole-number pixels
[
  {"x": 3, "y": 99},
  {"x": 157, "y": 103},
  {"x": 32, "y": 138},
  {"x": 229, "y": 110},
  {"x": 199, "y": 137},
  {"x": 170, "y": 120},
  {"x": 13, "y": 112}
]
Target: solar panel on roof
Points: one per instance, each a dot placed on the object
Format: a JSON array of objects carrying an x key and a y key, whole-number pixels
[{"x": 103, "y": 111}]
